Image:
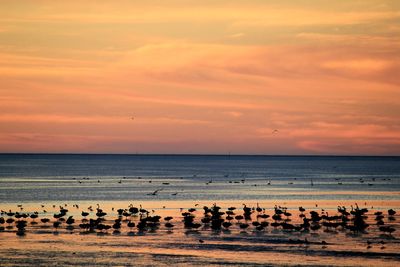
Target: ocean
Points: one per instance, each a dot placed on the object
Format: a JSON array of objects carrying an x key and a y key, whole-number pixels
[{"x": 94, "y": 177}]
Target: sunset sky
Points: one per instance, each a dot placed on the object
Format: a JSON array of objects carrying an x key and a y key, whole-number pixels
[{"x": 190, "y": 76}]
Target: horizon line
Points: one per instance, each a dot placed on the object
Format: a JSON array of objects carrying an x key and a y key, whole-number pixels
[{"x": 194, "y": 154}]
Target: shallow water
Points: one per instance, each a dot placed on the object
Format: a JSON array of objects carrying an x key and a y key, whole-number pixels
[{"x": 45, "y": 246}]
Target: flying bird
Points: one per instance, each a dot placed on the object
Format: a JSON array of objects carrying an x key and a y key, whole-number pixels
[{"x": 155, "y": 192}]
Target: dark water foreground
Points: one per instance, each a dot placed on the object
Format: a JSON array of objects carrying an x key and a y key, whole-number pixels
[{"x": 185, "y": 251}]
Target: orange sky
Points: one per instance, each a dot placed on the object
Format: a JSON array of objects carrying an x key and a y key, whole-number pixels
[{"x": 200, "y": 76}]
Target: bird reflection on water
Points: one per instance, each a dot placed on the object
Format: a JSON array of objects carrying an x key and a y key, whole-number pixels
[{"x": 353, "y": 222}]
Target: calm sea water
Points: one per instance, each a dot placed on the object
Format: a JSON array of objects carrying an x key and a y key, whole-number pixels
[{"x": 80, "y": 177}]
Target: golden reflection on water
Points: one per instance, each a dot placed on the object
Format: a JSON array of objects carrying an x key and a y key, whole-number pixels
[{"x": 109, "y": 249}]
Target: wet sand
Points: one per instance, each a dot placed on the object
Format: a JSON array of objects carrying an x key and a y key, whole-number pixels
[{"x": 42, "y": 245}]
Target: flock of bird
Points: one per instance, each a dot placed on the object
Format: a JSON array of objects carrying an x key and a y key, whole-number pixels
[
  {"x": 242, "y": 180},
  {"x": 94, "y": 220}
]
